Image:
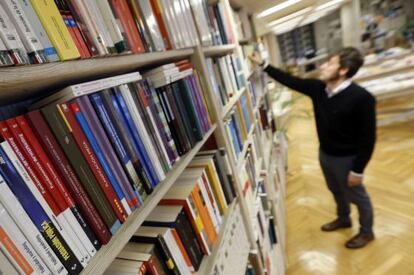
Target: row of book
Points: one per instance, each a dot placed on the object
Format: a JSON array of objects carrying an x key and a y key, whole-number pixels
[
  {"x": 51, "y": 30},
  {"x": 82, "y": 163},
  {"x": 226, "y": 76},
  {"x": 243, "y": 25},
  {"x": 184, "y": 227},
  {"x": 238, "y": 125}
]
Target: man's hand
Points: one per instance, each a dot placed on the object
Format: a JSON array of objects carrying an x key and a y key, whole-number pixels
[
  {"x": 255, "y": 58},
  {"x": 354, "y": 180}
]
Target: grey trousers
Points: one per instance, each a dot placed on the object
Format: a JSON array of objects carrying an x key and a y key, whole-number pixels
[{"x": 336, "y": 170}]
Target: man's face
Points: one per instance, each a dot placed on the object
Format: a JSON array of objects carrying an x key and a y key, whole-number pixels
[{"x": 331, "y": 70}]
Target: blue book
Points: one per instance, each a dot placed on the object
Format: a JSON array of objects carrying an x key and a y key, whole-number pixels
[
  {"x": 236, "y": 124},
  {"x": 136, "y": 138},
  {"x": 10, "y": 177},
  {"x": 97, "y": 102},
  {"x": 246, "y": 115},
  {"x": 235, "y": 141},
  {"x": 100, "y": 156}
]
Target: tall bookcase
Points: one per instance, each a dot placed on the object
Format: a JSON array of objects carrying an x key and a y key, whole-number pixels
[{"x": 23, "y": 83}]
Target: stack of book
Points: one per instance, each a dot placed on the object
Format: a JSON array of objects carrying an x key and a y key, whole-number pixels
[
  {"x": 226, "y": 77},
  {"x": 238, "y": 124},
  {"x": 74, "y": 170},
  {"x": 185, "y": 225},
  {"x": 51, "y": 30}
]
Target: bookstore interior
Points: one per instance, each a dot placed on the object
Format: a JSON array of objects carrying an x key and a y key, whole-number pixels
[{"x": 137, "y": 136}]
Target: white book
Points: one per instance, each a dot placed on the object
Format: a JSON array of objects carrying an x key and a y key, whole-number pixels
[
  {"x": 6, "y": 267},
  {"x": 158, "y": 74},
  {"x": 87, "y": 88},
  {"x": 165, "y": 80},
  {"x": 86, "y": 15},
  {"x": 24, "y": 29},
  {"x": 226, "y": 77},
  {"x": 136, "y": 117},
  {"x": 11, "y": 39},
  {"x": 58, "y": 221},
  {"x": 103, "y": 28},
  {"x": 201, "y": 21},
  {"x": 179, "y": 17},
  {"x": 20, "y": 217},
  {"x": 161, "y": 68},
  {"x": 191, "y": 21},
  {"x": 214, "y": 84},
  {"x": 40, "y": 32},
  {"x": 22, "y": 243},
  {"x": 152, "y": 24},
  {"x": 172, "y": 24},
  {"x": 110, "y": 21},
  {"x": 231, "y": 73}
]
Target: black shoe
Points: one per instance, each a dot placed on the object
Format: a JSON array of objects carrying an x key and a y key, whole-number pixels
[
  {"x": 360, "y": 240},
  {"x": 336, "y": 224}
]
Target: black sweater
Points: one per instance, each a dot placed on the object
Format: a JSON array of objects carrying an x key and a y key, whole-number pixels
[{"x": 345, "y": 122}]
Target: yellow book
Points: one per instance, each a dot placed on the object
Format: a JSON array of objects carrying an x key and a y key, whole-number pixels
[
  {"x": 239, "y": 113},
  {"x": 56, "y": 29}
]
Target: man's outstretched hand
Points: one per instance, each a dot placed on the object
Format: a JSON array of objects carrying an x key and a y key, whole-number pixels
[{"x": 256, "y": 59}]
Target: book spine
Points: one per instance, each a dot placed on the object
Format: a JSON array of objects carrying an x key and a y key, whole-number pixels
[
  {"x": 51, "y": 147},
  {"x": 5, "y": 58},
  {"x": 58, "y": 34},
  {"x": 161, "y": 24},
  {"x": 91, "y": 150},
  {"x": 64, "y": 217},
  {"x": 59, "y": 124},
  {"x": 136, "y": 138},
  {"x": 123, "y": 156},
  {"x": 96, "y": 16},
  {"x": 22, "y": 244},
  {"x": 210, "y": 201},
  {"x": 11, "y": 39},
  {"x": 178, "y": 257},
  {"x": 8, "y": 175},
  {"x": 9, "y": 247},
  {"x": 143, "y": 29},
  {"x": 191, "y": 104},
  {"x": 22, "y": 220},
  {"x": 111, "y": 105},
  {"x": 54, "y": 182},
  {"x": 79, "y": 37},
  {"x": 85, "y": 107},
  {"x": 183, "y": 251},
  {"x": 74, "y": 37},
  {"x": 139, "y": 124}
]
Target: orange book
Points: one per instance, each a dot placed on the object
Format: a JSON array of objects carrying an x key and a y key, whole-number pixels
[
  {"x": 124, "y": 15},
  {"x": 161, "y": 24},
  {"x": 182, "y": 249},
  {"x": 14, "y": 253}
]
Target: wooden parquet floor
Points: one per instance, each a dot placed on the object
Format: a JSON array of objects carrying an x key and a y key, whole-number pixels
[{"x": 390, "y": 181}]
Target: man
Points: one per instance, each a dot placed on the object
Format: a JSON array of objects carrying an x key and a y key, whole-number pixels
[{"x": 346, "y": 126}]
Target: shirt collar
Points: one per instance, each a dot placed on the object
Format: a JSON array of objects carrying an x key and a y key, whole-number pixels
[{"x": 345, "y": 84}]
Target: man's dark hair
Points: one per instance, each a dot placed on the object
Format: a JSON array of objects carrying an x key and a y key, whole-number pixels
[{"x": 350, "y": 58}]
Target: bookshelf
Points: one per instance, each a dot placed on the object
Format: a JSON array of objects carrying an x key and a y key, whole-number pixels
[
  {"x": 384, "y": 73},
  {"x": 31, "y": 81}
]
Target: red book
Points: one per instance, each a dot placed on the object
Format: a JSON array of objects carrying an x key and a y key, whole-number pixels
[
  {"x": 7, "y": 135},
  {"x": 77, "y": 38},
  {"x": 72, "y": 34},
  {"x": 93, "y": 162},
  {"x": 161, "y": 24},
  {"x": 183, "y": 65},
  {"x": 124, "y": 15},
  {"x": 52, "y": 148}
]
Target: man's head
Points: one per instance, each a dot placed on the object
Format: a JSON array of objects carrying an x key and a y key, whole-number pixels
[{"x": 342, "y": 65}]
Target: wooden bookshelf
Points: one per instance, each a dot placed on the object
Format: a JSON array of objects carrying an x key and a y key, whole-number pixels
[
  {"x": 233, "y": 100},
  {"x": 208, "y": 262},
  {"x": 108, "y": 253},
  {"x": 22, "y": 82},
  {"x": 219, "y": 50}
]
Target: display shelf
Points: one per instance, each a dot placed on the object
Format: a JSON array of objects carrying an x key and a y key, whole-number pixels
[
  {"x": 245, "y": 146},
  {"x": 22, "y": 82},
  {"x": 207, "y": 265},
  {"x": 108, "y": 253},
  {"x": 390, "y": 57},
  {"x": 384, "y": 73},
  {"x": 218, "y": 50},
  {"x": 233, "y": 100}
]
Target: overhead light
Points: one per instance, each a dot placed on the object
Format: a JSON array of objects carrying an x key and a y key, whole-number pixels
[
  {"x": 328, "y": 4},
  {"x": 277, "y": 8},
  {"x": 288, "y": 25},
  {"x": 288, "y": 17}
]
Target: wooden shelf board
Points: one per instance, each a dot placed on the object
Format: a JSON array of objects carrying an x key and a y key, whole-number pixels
[
  {"x": 108, "y": 253},
  {"x": 218, "y": 50},
  {"x": 384, "y": 73},
  {"x": 394, "y": 93},
  {"x": 232, "y": 102},
  {"x": 208, "y": 262},
  {"x": 23, "y": 82}
]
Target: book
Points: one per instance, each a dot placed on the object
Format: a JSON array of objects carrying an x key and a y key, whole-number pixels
[
  {"x": 66, "y": 171},
  {"x": 160, "y": 18},
  {"x": 142, "y": 27},
  {"x": 21, "y": 243},
  {"x": 5, "y": 58},
  {"x": 11, "y": 40},
  {"x": 97, "y": 191},
  {"x": 36, "y": 213},
  {"x": 6, "y": 266},
  {"x": 147, "y": 250},
  {"x": 55, "y": 27}
]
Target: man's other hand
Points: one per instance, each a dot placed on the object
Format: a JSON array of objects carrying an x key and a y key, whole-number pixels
[
  {"x": 255, "y": 58},
  {"x": 354, "y": 180}
]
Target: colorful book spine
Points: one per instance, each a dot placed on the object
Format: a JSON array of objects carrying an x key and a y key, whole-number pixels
[
  {"x": 99, "y": 193},
  {"x": 5, "y": 58},
  {"x": 86, "y": 108},
  {"x": 112, "y": 133},
  {"x": 55, "y": 153},
  {"x": 36, "y": 213}
]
